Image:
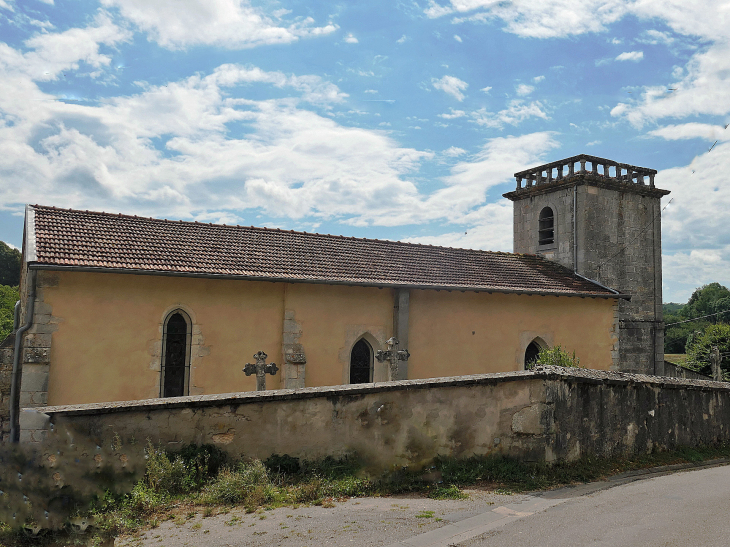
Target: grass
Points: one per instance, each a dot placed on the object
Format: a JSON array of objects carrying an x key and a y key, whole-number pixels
[{"x": 178, "y": 486}]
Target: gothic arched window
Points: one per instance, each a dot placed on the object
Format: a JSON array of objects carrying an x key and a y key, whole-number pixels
[
  {"x": 175, "y": 369},
  {"x": 546, "y": 229},
  {"x": 361, "y": 363}
]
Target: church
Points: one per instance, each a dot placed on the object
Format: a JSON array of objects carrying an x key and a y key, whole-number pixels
[{"x": 116, "y": 307}]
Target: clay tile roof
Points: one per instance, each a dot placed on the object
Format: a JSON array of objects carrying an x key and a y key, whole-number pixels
[{"x": 90, "y": 240}]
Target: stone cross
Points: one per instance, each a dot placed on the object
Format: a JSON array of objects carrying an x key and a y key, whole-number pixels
[
  {"x": 392, "y": 355},
  {"x": 260, "y": 369}
]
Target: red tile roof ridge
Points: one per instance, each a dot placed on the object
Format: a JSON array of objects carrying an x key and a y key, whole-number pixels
[{"x": 264, "y": 228}]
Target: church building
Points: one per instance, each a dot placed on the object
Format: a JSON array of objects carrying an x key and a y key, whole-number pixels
[{"x": 116, "y": 307}]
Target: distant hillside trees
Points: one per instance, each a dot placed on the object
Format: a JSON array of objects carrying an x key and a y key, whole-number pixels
[
  {"x": 9, "y": 281},
  {"x": 8, "y": 297},
  {"x": 706, "y": 300},
  {"x": 9, "y": 265}
]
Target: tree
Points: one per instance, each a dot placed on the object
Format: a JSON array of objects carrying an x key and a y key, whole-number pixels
[
  {"x": 8, "y": 297},
  {"x": 706, "y": 300},
  {"x": 9, "y": 265},
  {"x": 700, "y": 345}
]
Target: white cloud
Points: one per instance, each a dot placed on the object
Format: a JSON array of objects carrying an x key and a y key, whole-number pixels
[
  {"x": 458, "y": 38},
  {"x": 536, "y": 18},
  {"x": 538, "y": 79},
  {"x": 702, "y": 90},
  {"x": 653, "y": 36},
  {"x": 630, "y": 56},
  {"x": 593, "y": 143},
  {"x": 453, "y": 152},
  {"x": 524, "y": 89},
  {"x": 692, "y": 131},
  {"x": 486, "y": 89},
  {"x": 226, "y": 23},
  {"x": 517, "y": 111},
  {"x": 451, "y": 85},
  {"x": 53, "y": 53},
  {"x": 453, "y": 114},
  {"x": 401, "y": 39},
  {"x": 370, "y": 91},
  {"x": 350, "y": 39}
]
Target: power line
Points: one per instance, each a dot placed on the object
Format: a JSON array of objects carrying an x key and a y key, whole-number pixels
[{"x": 696, "y": 318}]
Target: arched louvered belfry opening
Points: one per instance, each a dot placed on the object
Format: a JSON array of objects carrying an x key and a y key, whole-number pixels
[
  {"x": 175, "y": 370},
  {"x": 361, "y": 362},
  {"x": 546, "y": 229}
]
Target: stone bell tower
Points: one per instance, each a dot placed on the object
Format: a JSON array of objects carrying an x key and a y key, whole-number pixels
[{"x": 602, "y": 219}]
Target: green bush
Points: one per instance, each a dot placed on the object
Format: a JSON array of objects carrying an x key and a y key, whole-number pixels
[
  {"x": 556, "y": 357},
  {"x": 277, "y": 463},
  {"x": 248, "y": 484}
]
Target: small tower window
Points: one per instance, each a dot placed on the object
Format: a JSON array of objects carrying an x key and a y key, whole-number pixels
[
  {"x": 546, "y": 229},
  {"x": 361, "y": 363}
]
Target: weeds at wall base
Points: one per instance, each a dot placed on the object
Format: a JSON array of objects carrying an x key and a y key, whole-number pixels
[{"x": 176, "y": 485}]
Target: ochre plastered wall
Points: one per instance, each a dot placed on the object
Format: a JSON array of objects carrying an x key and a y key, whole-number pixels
[
  {"x": 108, "y": 342},
  {"x": 474, "y": 333},
  {"x": 107, "y": 336},
  {"x": 332, "y": 318}
]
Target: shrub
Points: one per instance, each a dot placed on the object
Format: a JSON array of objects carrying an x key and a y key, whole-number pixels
[
  {"x": 277, "y": 463},
  {"x": 248, "y": 484},
  {"x": 556, "y": 357}
]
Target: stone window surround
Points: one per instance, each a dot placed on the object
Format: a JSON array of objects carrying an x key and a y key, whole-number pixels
[{"x": 188, "y": 352}]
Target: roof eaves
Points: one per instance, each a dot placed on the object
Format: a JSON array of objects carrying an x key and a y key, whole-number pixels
[{"x": 324, "y": 281}]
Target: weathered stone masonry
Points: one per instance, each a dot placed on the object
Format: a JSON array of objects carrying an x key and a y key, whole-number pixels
[
  {"x": 540, "y": 415},
  {"x": 617, "y": 225}
]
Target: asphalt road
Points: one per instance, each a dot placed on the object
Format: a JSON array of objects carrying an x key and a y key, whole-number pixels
[
  {"x": 677, "y": 509},
  {"x": 681, "y": 509}
]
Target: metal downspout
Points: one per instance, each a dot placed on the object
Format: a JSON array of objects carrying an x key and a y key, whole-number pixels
[
  {"x": 16, "y": 316},
  {"x": 17, "y": 368}
]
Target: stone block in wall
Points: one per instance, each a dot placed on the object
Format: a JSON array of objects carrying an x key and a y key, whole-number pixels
[
  {"x": 6, "y": 356},
  {"x": 5, "y": 378},
  {"x": 37, "y": 355},
  {"x": 37, "y": 340},
  {"x": 35, "y": 377},
  {"x": 33, "y": 419},
  {"x": 29, "y": 399}
]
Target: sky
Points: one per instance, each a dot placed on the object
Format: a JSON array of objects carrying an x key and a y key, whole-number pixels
[{"x": 396, "y": 119}]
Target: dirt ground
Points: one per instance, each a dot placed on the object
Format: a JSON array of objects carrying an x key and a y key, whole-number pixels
[{"x": 357, "y": 521}]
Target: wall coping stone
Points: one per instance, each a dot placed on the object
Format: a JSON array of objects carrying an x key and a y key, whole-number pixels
[{"x": 570, "y": 375}]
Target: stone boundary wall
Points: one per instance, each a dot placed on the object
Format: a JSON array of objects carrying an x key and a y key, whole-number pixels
[
  {"x": 542, "y": 415},
  {"x": 675, "y": 371},
  {"x": 6, "y": 374}
]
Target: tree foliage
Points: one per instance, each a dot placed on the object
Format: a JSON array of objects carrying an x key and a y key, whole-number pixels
[
  {"x": 9, "y": 265},
  {"x": 712, "y": 298},
  {"x": 708, "y": 299},
  {"x": 700, "y": 346},
  {"x": 8, "y": 297}
]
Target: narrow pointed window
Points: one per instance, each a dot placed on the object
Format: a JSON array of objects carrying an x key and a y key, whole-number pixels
[
  {"x": 361, "y": 363},
  {"x": 176, "y": 356},
  {"x": 546, "y": 229}
]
